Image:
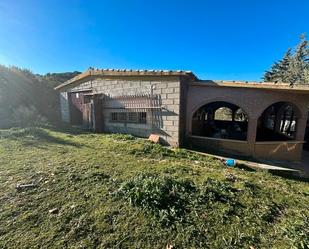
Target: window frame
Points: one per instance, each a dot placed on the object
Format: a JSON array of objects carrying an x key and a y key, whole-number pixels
[{"x": 128, "y": 117}]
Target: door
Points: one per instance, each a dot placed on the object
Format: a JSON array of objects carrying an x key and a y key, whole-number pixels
[{"x": 76, "y": 103}]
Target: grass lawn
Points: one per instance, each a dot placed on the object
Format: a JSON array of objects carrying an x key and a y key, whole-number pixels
[{"x": 116, "y": 191}]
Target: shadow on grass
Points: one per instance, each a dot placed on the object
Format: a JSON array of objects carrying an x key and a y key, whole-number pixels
[
  {"x": 245, "y": 167},
  {"x": 34, "y": 136},
  {"x": 289, "y": 175},
  {"x": 66, "y": 128}
]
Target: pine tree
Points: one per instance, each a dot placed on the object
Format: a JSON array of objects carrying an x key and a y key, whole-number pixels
[
  {"x": 301, "y": 59},
  {"x": 293, "y": 68},
  {"x": 278, "y": 71}
]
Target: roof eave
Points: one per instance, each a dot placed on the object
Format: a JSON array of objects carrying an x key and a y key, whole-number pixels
[
  {"x": 123, "y": 73},
  {"x": 255, "y": 85}
]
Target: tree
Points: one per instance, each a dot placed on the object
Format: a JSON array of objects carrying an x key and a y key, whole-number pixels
[
  {"x": 278, "y": 71},
  {"x": 293, "y": 68}
]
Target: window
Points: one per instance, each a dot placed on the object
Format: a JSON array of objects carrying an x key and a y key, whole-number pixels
[
  {"x": 142, "y": 117},
  {"x": 114, "y": 116},
  {"x": 133, "y": 117},
  {"x": 122, "y": 116},
  {"x": 129, "y": 117}
]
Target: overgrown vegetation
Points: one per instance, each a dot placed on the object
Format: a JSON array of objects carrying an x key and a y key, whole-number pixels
[
  {"x": 73, "y": 189},
  {"x": 165, "y": 197},
  {"x": 27, "y": 99},
  {"x": 55, "y": 79}
]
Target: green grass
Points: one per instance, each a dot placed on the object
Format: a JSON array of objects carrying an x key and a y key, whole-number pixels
[{"x": 117, "y": 191}]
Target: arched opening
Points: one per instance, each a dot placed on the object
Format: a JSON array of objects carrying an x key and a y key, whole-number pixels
[
  {"x": 220, "y": 120},
  {"x": 277, "y": 123}
]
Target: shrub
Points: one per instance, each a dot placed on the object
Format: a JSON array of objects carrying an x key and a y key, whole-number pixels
[
  {"x": 24, "y": 116},
  {"x": 33, "y": 132}
]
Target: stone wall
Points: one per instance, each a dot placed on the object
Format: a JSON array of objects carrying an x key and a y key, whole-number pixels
[{"x": 164, "y": 121}]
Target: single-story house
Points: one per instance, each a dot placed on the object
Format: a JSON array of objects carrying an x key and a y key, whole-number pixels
[{"x": 261, "y": 120}]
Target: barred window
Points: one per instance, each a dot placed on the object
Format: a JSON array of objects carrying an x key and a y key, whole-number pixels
[
  {"x": 133, "y": 117},
  {"x": 129, "y": 117},
  {"x": 142, "y": 117},
  {"x": 114, "y": 116}
]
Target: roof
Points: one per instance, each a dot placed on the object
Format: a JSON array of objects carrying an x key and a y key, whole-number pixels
[
  {"x": 253, "y": 84},
  {"x": 91, "y": 72}
]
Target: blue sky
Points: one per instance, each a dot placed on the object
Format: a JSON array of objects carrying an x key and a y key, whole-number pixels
[{"x": 229, "y": 40}]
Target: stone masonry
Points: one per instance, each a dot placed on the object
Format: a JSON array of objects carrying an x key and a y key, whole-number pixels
[
  {"x": 177, "y": 95},
  {"x": 165, "y": 88}
]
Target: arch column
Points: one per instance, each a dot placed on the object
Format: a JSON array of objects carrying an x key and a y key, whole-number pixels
[
  {"x": 300, "y": 128},
  {"x": 300, "y": 132},
  {"x": 251, "y": 133},
  {"x": 301, "y": 123}
]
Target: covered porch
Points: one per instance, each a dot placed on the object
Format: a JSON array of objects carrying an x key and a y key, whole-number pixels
[{"x": 247, "y": 119}]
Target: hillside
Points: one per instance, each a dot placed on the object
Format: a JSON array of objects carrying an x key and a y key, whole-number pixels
[
  {"x": 56, "y": 79},
  {"x": 61, "y": 189},
  {"x": 26, "y": 98}
]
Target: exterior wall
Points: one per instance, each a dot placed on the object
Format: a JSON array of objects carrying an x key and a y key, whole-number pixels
[
  {"x": 184, "y": 86},
  {"x": 225, "y": 145},
  {"x": 167, "y": 91},
  {"x": 253, "y": 102},
  {"x": 64, "y": 107},
  {"x": 179, "y": 98},
  {"x": 285, "y": 151}
]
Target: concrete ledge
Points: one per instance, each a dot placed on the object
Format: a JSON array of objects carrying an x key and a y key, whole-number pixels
[
  {"x": 250, "y": 164},
  {"x": 281, "y": 142},
  {"x": 219, "y": 139}
]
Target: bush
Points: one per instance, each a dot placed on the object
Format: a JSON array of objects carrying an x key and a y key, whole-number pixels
[
  {"x": 24, "y": 116},
  {"x": 26, "y": 98},
  {"x": 35, "y": 133}
]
